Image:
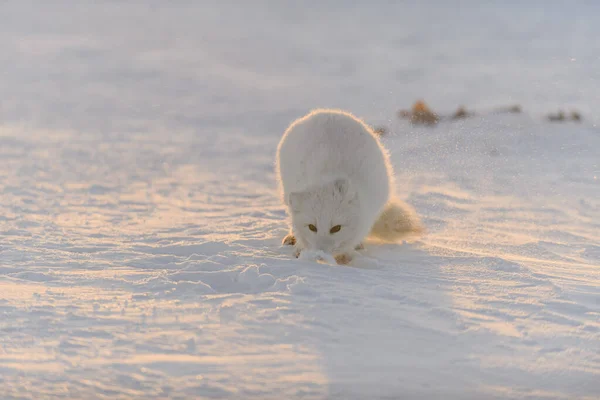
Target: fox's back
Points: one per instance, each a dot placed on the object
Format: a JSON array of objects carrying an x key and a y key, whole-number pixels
[{"x": 329, "y": 144}]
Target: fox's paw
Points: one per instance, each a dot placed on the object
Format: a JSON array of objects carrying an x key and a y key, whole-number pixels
[
  {"x": 289, "y": 240},
  {"x": 343, "y": 258}
]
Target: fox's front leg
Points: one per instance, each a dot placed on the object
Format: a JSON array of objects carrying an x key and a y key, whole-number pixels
[{"x": 289, "y": 240}]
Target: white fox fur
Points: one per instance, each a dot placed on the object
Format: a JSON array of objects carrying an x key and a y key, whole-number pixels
[{"x": 333, "y": 171}]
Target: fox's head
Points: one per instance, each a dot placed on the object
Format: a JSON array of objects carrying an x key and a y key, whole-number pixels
[{"x": 326, "y": 217}]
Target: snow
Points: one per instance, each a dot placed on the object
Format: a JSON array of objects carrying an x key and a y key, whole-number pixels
[
  {"x": 140, "y": 227},
  {"x": 317, "y": 256}
]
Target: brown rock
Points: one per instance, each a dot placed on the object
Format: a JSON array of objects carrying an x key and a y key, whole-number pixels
[
  {"x": 514, "y": 109},
  {"x": 558, "y": 117},
  {"x": 380, "y": 130},
  {"x": 421, "y": 114},
  {"x": 461, "y": 113}
]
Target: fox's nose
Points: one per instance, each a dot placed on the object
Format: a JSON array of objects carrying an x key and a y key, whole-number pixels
[{"x": 325, "y": 244}]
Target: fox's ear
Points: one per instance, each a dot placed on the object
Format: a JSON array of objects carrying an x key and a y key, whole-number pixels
[
  {"x": 341, "y": 186},
  {"x": 296, "y": 199}
]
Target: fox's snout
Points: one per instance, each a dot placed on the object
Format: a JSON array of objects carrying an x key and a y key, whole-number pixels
[{"x": 324, "y": 244}]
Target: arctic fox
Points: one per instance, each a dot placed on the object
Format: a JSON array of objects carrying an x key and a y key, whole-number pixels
[{"x": 336, "y": 181}]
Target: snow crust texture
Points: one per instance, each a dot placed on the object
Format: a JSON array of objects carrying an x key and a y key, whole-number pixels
[{"x": 140, "y": 227}]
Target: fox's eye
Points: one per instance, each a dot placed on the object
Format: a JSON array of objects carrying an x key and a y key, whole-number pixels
[
  {"x": 312, "y": 227},
  {"x": 335, "y": 229}
]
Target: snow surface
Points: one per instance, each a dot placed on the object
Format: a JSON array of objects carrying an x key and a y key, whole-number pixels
[{"x": 140, "y": 228}]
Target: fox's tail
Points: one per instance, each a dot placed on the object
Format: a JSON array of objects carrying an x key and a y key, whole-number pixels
[{"x": 397, "y": 221}]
